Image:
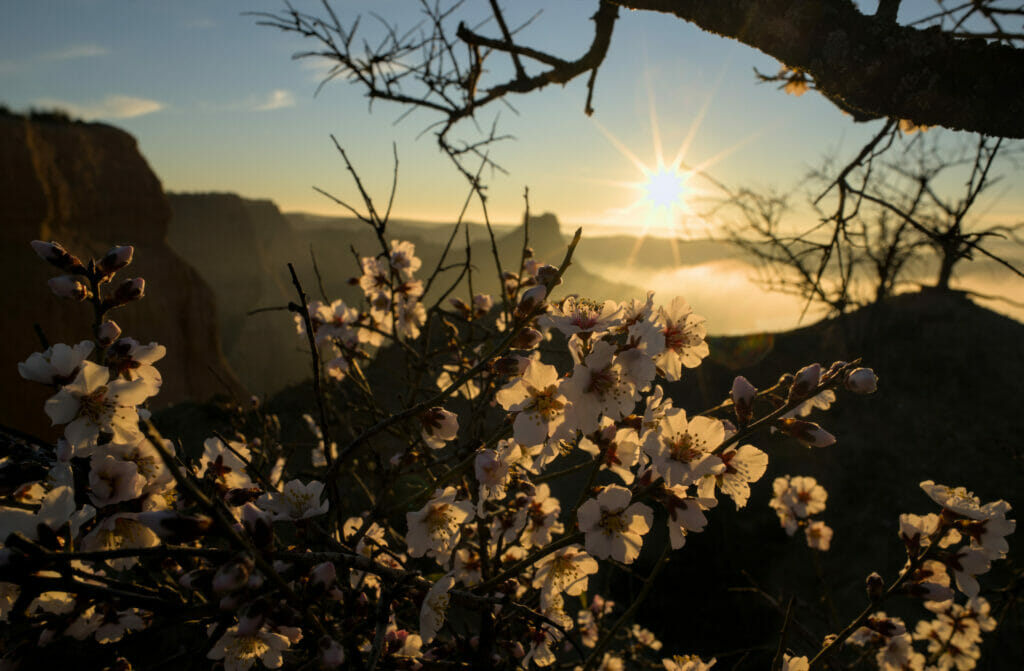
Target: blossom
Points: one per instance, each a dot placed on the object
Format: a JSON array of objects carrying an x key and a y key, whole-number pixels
[
  {"x": 685, "y": 514},
  {"x": 493, "y": 471},
  {"x": 819, "y": 535},
  {"x": 92, "y": 404},
  {"x": 564, "y": 570},
  {"x": 681, "y": 449},
  {"x": 56, "y": 508},
  {"x": 131, "y": 360},
  {"x": 57, "y": 365},
  {"x": 801, "y": 494},
  {"x": 597, "y": 386},
  {"x": 295, "y": 502},
  {"x": 613, "y": 527},
  {"x": 862, "y": 381},
  {"x": 435, "y": 607},
  {"x": 618, "y": 448},
  {"x": 434, "y": 529},
  {"x": 226, "y": 462},
  {"x": 577, "y": 316},
  {"x": 687, "y": 663},
  {"x": 410, "y": 315},
  {"x": 538, "y": 399},
  {"x": 541, "y": 513},
  {"x": 989, "y": 534},
  {"x": 403, "y": 258},
  {"x": 742, "y": 466},
  {"x": 808, "y": 433},
  {"x": 966, "y": 563},
  {"x": 684, "y": 338},
  {"x": 439, "y": 426},
  {"x": 113, "y": 480},
  {"x": 955, "y": 499},
  {"x": 119, "y": 531},
  {"x": 239, "y": 651}
]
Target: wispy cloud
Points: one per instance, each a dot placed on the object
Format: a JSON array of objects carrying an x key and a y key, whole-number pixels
[
  {"x": 110, "y": 107},
  {"x": 276, "y": 99},
  {"x": 74, "y": 52}
]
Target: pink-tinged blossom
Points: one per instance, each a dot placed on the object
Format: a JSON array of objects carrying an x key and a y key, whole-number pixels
[
  {"x": 539, "y": 402},
  {"x": 226, "y": 463},
  {"x": 541, "y": 513},
  {"x": 685, "y": 514},
  {"x": 614, "y": 527},
  {"x": 410, "y": 315},
  {"x": 55, "y": 253},
  {"x": 684, "y": 334},
  {"x": 295, "y": 502},
  {"x": 115, "y": 259},
  {"x": 567, "y": 570},
  {"x": 108, "y": 332},
  {"x": 58, "y": 365},
  {"x": 796, "y": 498},
  {"x": 687, "y": 663},
  {"x": 240, "y": 651},
  {"x": 680, "y": 450},
  {"x": 582, "y": 317},
  {"x": 434, "y": 528},
  {"x": 952, "y": 651},
  {"x": 131, "y": 360},
  {"x": 644, "y": 342},
  {"x": 439, "y": 427},
  {"x": 113, "y": 480},
  {"x": 597, "y": 387},
  {"x": 989, "y": 534},
  {"x": 435, "y": 608},
  {"x": 743, "y": 395},
  {"x": 93, "y": 403},
  {"x": 493, "y": 471},
  {"x": 618, "y": 449},
  {"x": 403, "y": 258},
  {"x": 468, "y": 568},
  {"x": 819, "y": 535},
  {"x": 955, "y": 499},
  {"x": 742, "y": 466},
  {"x": 965, "y": 563}
]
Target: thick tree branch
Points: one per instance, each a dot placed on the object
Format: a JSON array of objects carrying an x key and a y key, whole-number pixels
[{"x": 872, "y": 66}]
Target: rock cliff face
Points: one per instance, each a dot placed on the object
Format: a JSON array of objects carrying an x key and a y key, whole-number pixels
[
  {"x": 241, "y": 248},
  {"x": 88, "y": 187}
]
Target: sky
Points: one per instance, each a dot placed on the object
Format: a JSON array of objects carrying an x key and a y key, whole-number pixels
[{"x": 217, "y": 103}]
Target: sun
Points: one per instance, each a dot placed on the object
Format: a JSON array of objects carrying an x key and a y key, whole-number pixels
[{"x": 666, "y": 187}]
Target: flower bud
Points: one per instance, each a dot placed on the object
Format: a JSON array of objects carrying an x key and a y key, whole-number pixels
[
  {"x": 116, "y": 259},
  {"x": 259, "y": 525},
  {"x": 875, "y": 586},
  {"x": 323, "y": 574},
  {"x": 332, "y": 655},
  {"x": 743, "y": 399},
  {"x": 55, "y": 254},
  {"x": 233, "y": 575},
  {"x": 547, "y": 274},
  {"x": 805, "y": 382},
  {"x": 808, "y": 433},
  {"x": 108, "y": 332},
  {"x": 862, "y": 381},
  {"x": 532, "y": 298},
  {"x": 69, "y": 286},
  {"x": 129, "y": 290},
  {"x": 482, "y": 304},
  {"x": 528, "y": 338}
]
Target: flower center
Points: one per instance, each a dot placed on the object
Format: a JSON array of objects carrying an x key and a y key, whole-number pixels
[
  {"x": 94, "y": 405},
  {"x": 544, "y": 402},
  {"x": 439, "y": 519},
  {"x": 602, "y": 381},
  {"x": 611, "y": 522},
  {"x": 684, "y": 448}
]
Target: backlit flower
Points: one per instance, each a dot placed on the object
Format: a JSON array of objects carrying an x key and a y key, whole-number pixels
[
  {"x": 295, "y": 502},
  {"x": 613, "y": 527},
  {"x": 684, "y": 338}
]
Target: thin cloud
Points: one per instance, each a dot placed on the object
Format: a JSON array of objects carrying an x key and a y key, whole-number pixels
[
  {"x": 111, "y": 107},
  {"x": 74, "y": 52},
  {"x": 277, "y": 99}
]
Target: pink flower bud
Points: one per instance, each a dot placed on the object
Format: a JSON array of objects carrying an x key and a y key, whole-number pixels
[
  {"x": 55, "y": 254},
  {"x": 116, "y": 259},
  {"x": 108, "y": 332},
  {"x": 862, "y": 381},
  {"x": 528, "y": 338},
  {"x": 232, "y": 576},
  {"x": 875, "y": 586},
  {"x": 68, "y": 286},
  {"x": 532, "y": 298},
  {"x": 743, "y": 399},
  {"x": 806, "y": 432},
  {"x": 805, "y": 382},
  {"x": 130, "y": 290}
]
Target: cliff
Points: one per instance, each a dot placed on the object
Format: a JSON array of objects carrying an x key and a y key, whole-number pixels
[{"x": 88, "y": 187}]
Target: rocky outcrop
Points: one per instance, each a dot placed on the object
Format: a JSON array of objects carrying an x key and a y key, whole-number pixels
[
  {"x": 241, "y": 248},
  {"x": 88, "y": 187}
]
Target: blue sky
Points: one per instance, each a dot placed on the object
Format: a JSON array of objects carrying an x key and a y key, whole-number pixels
[{"x": 218, "y": 104}]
